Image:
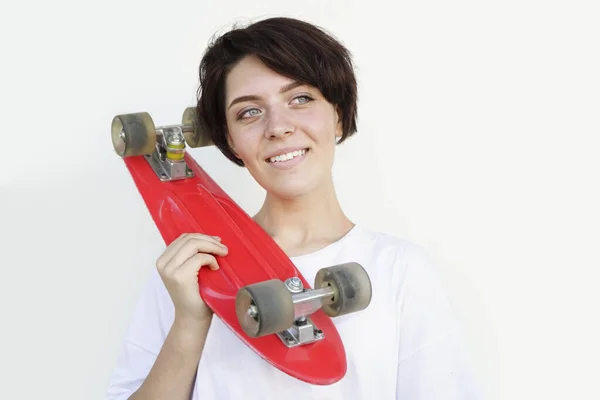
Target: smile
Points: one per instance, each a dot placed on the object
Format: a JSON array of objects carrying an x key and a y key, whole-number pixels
[{"x": 287, "y": 156}]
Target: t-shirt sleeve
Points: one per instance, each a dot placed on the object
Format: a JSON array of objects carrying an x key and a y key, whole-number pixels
[
  {"x": 150, "y": 325},
  {"x": 433, "y": 363}
]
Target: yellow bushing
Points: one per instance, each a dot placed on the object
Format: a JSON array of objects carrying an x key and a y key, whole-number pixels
[{"x": 175, "y": 156}]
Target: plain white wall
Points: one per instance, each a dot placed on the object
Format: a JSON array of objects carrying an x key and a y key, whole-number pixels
[{"x": 478, "y": 138}]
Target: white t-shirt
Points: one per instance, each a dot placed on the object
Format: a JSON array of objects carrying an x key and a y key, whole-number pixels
[{"x": 405, "y": 345}]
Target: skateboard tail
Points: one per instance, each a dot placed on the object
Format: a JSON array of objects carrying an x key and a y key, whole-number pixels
[{"x": 313, "y": 363}]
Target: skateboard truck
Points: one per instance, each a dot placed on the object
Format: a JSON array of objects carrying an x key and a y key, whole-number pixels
[
  {"x": 306, "y": 302},
  {"x": 167, "y": 160},
  {"x": 163, "y": 147},
  {"x": 284, "y": 308}
]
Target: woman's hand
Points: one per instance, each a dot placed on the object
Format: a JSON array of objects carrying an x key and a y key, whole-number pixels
[{"x": 178, "y": 267}]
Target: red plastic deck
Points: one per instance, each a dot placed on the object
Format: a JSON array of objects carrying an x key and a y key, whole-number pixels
[{"x": 199, "y": 205}]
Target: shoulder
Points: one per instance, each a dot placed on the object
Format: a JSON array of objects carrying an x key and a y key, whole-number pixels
[
  {"x": 404, "y": 267},
  {"x": 388, "y": 242},
  {"x": 396, "y": 265},
  {"x": 390, "y": 251}
]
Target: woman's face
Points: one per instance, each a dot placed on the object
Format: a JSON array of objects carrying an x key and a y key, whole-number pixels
[{"x": 284, "y": 132}]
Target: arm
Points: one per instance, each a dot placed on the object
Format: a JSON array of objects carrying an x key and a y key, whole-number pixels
[
  {"x": 160, "y": 353},
  {"x": 169, "y": 328},
  {"x": 152, "y": 322},
  {"x": 172, "y": 375}
]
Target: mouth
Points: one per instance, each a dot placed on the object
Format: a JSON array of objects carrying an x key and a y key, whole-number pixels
[{"x": 287, "y": 157}]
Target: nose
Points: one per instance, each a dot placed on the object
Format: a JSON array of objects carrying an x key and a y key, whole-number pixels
[{"x": 279, "y": 124}]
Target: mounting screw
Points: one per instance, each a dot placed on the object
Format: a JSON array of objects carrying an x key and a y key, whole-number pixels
[{"x": 294, "y": 285}]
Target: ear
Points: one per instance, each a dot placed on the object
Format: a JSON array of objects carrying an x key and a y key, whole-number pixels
[{"x": 339, "y": 126}]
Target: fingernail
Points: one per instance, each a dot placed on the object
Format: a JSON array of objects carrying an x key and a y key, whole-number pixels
[{"x": 217, "y": 237}]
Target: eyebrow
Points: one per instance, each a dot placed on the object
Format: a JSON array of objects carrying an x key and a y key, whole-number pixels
[{"x": 285, "y": 88}]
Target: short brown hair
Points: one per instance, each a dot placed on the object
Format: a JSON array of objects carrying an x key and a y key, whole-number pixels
[{"x": 292, "y": 48}]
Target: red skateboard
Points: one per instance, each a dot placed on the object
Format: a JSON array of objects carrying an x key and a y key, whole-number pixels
[{"x": 257, "y": 292}]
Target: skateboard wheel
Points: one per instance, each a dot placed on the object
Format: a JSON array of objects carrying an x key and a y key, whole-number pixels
[
  {"x": 133, "y": 134},
  {"x": 264, "y": 308},
  {"x": 197, "y": 136},
  {"x": 351, "y": 286}
]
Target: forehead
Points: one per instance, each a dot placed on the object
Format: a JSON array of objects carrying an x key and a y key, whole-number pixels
[{"x": 251, "y": 76}]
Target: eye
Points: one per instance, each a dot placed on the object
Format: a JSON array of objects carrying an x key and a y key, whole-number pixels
[
  {"x": 252, "y": 112},
  {"x": 302, "y": 99}
]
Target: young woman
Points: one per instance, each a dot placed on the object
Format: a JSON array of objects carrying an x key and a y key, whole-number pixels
[{"x": 277, "y": 96}]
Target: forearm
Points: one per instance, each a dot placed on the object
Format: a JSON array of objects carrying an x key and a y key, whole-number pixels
[{"x": 173, "y": 373}]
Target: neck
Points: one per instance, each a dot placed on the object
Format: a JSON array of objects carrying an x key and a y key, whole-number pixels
[{"x": 304, "y": 224}]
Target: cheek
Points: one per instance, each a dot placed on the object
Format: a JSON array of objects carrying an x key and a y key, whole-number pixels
[
  {"x": 245, "y": 143},
  {"x": 319, "y": 126}
]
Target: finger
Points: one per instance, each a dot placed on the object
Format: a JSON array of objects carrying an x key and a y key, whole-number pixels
[
  {"x": 178, "y": 243},
  {"x": 198, "y": 261},
  {"x": 192, "y": 266},
  {"x": 192, "y": 247},
  {"x": 171, "y": 250},
  {"x": 210, "y": 238}
]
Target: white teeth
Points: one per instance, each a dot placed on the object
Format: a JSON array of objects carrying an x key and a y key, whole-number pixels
[{"x": 287, "y": 156}]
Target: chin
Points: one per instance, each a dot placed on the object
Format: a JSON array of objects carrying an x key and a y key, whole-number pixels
[
  {"x": 290, "y": 189},
  {"x": 291, "y": 184}
]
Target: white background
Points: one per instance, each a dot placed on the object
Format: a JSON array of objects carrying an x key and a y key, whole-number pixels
[{"x": 478, "y": 139}]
